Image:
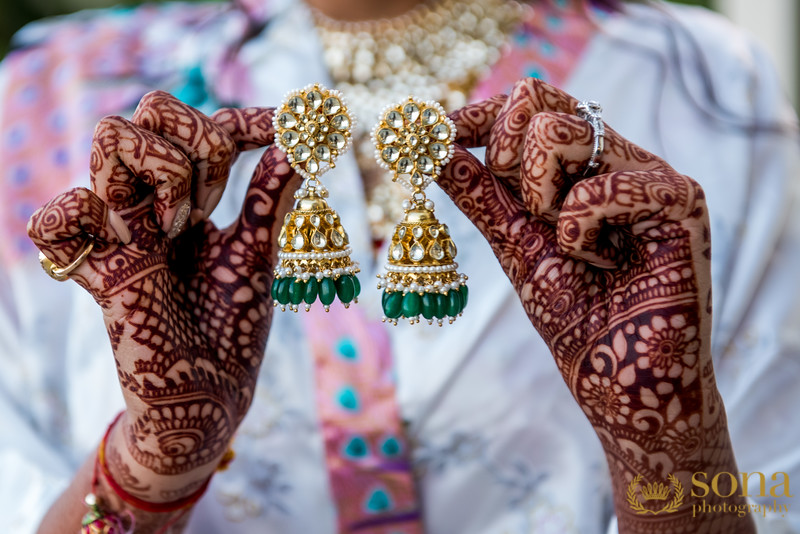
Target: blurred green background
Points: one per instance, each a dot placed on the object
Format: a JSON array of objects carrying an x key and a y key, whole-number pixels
[{"x": 16, "y": 13}]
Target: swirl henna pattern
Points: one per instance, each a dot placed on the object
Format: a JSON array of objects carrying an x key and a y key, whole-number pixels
[
  {"x": 188, "y": 317},
  {"x": 614, "y": 273}
]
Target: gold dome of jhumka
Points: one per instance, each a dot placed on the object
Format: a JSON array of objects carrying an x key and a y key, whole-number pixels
[
  {"x": 414, "y": 140},
  {"x": 313, "y": 128}
]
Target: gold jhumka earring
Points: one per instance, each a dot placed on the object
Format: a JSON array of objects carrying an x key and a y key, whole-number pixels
[
  {"x": 313, "y": 128},
  {"x": 414, "y": 140}
]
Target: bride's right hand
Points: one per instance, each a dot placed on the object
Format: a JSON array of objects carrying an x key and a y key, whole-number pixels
[{"x": 186, "y": 304}]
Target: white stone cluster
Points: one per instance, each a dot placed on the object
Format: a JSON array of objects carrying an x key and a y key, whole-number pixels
[
  {"x": 279, "y": 130},
  {"x": 406, "y": 178}
]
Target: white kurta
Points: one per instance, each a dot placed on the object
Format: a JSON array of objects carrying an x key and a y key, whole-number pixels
[{"x": 501, "y": 446}]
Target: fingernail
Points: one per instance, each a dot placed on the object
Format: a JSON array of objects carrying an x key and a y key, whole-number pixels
[
  {"x": 181, "y": 216},
  {"x": 196, "y": 216},
  {"x": 120, "y": 227},
  {"x": 213, "y": 199}
]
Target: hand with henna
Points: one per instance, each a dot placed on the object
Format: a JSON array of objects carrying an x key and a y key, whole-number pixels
[
  {"x": 613, "y": 271},
  {"x": 186, "y": 304}
]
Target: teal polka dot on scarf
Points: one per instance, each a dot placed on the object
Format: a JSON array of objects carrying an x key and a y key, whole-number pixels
[
  {"x": 379, "y": 501},
  {"x": 348, "y": 398},
  {"x": 356, "y": 448}
]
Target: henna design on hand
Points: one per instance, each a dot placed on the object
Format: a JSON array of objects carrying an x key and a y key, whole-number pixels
[
  {"x": 123, "y": 152},
  {"x": 614, "y": 273},
  {"x": 188, "y": 317},
  {"x": 249, "y": 127},
  {"x": 210, "y": 148},
  {"x": 71, "y": 220},
  {"x": 132, "y": 484},
  {"x": 474, "y": 122},
  {"x": 505, "y": 144},
  {"x": 261, "y": 218}
]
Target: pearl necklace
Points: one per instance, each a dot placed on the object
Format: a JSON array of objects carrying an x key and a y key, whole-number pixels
[{"x": 437, "y": 51}]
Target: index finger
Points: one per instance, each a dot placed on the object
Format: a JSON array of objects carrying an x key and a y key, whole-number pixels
[
  {"x": 474, "y": 121},
  {"x": 507, "y": 136},
  {"x": 492, "y": 208},
  {"x": 250, "y": 128},
  {"x": 501, "y": 122},
  {"x": 207, "y": 145}
]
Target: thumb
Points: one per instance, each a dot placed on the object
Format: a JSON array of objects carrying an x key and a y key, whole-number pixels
[
  {"x": 269, "y": 198},
  {"x": 65, "y": 226},
  {"x": 488, "y": 203},
  {"x": 270, "y": 195}
]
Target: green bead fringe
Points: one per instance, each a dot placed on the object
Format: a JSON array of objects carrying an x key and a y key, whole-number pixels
[
  {"x": 291, "y": 292},
  {"x": 433, "y": 307}
]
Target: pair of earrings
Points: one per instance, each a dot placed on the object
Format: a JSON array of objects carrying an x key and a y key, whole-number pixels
[{"x": 413, "y": 141}]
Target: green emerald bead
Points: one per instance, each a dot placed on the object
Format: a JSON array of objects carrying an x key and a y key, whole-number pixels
[
  {"x": 393, "y": 305},
  {"x": 312, "y": 288},
  {"x": 453, "y": 303},
  {"x": 441, "y": 306},
  {"x": 274, "y": 290},
  {"x": 356, "y": 285},
  {"x": 297, "y": 291},
  {"x": 412, "y": 305},
  {"x": 428, "y": 305},
  {"x": 464, "y": 293},
  {"x": 327, "y": 291},
  {"x": 283, "y": 290},
  {"x": 384, "y": 298},
  {"x": 345, "y": 288}
]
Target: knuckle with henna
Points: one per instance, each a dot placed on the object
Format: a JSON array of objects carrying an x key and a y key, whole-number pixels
[
  {"x": 154, "y": 98},
  {"x": 223, "y": 115},
  {"x": 103, "y": 125}
]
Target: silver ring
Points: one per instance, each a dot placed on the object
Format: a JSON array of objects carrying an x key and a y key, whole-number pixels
[{"x": 591, "y": 111}]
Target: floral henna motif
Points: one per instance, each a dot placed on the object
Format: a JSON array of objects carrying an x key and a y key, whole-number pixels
[
  {"x": 670, "y": 345},
  {"x": 250, "y": 128},
  {"x": 614, "y": 273}
]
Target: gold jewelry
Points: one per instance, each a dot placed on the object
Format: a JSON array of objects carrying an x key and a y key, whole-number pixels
[
  {"x": 437, "y": 51},
  {"x": 414, "y": 140},
  {"x": 61, "y": 274},
  {"x": 312, "y": 127}
]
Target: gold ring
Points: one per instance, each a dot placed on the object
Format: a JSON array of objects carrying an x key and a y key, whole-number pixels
[{"x": 62, "y": 273}]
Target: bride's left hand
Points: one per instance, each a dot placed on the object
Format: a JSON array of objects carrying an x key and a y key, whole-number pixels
[{"x": 613, "y": 271}]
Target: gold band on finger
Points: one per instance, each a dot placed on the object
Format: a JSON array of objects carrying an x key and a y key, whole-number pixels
[{"x": 62, "y": 273}]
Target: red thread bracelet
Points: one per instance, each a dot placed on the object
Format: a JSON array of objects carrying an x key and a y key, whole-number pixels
[{"x": 141, "y": 504}]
